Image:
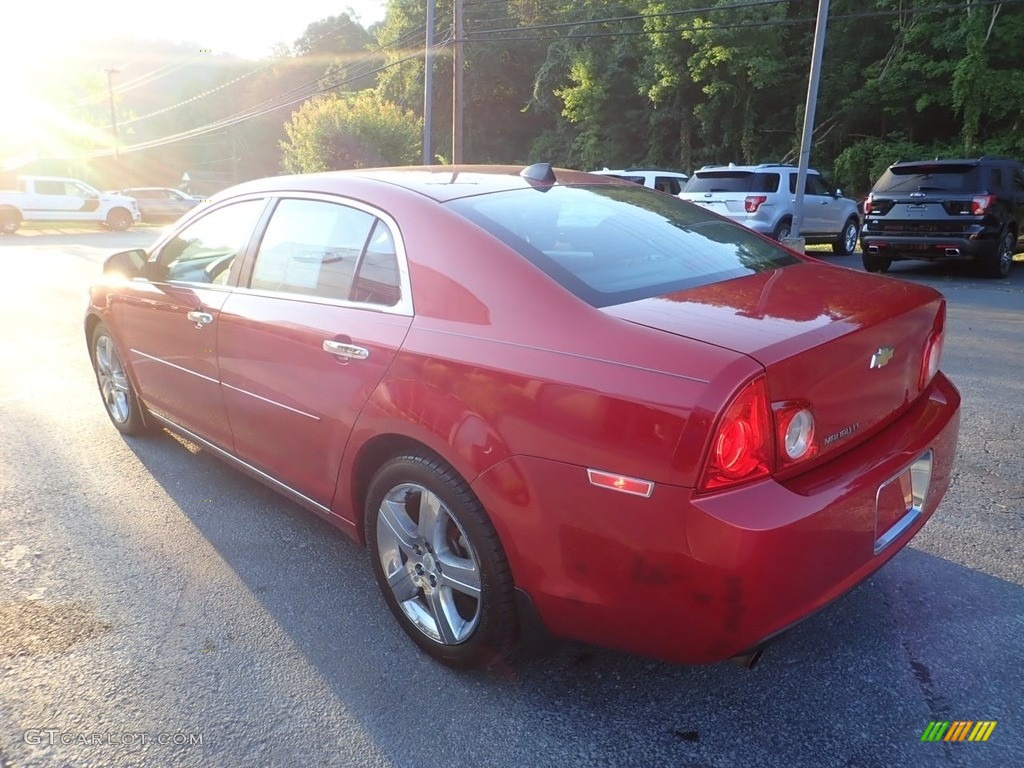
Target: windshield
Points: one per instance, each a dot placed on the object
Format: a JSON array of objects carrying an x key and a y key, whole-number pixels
[
  {"x": 952, "y": 177},
  {"x": 614, "y": 244}
]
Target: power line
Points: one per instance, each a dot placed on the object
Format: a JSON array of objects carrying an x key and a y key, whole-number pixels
[
  {"x": 247, "y": 115},
  {"x": 473, "y": 36},
  {"x": 403, "y": 39}
]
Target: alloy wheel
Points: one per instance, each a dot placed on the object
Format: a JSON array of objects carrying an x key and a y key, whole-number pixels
[
  {"x": 429, "y": 564},
  {"x": 113, "y": 380}
]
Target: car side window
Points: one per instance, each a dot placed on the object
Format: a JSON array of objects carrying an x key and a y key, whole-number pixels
[
  {"x": 766, "y": 182},
  {"x": 49, "y": 187},
  {"x": 667, "y": 184},
  {"x": 813, "y": 185},
  {"x": 312, "y": 248},
  {"x": 996, "y": 179},
  {"x": 204, "y": 251},
  {"x": 377, "y": 280},
  {"x": 817, "y": 186}
]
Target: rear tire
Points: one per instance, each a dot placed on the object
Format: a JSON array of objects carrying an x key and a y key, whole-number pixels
[
  {"x": 874, "y": 263},
  {"x": 439, "y": 563},
  {"x": 10, "y": 220},
  {"x": 996, "y": 265},
  {"x": 846, "y": 243},
  {"x": 782, "y": 229},
  {"x": 118, "y": 220}
]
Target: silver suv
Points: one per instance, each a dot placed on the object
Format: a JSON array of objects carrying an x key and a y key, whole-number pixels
[
  {"x": 761, "y": 197},
  {"x": 664, "y": 181}
]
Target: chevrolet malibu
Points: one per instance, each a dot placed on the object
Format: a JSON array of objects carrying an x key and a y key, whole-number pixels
[{"x": 548, "y": 402}]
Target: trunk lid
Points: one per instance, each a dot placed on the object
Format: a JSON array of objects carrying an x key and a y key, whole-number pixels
[{"x": 850, "y": 344}]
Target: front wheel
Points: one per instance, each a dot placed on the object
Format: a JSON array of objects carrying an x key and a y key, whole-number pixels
[
  {"x": 847, "y": 240},
  {"x": 115, "y": 387},
  {"x": 118, "y": 220},
  {"x": 997, "y": 264},
  {"x": 439, "y": 563},
  {"x": 873, "y": 263}
]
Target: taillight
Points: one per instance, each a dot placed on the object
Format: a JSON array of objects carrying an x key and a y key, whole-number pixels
[
  {"x": 753, "y": 202},
  {"x": 742, "y": 447},
  {"x": 794, "y": 429},
  {"x": 981, "y": 203},
  {"x": 869, "y": 205},
  {"x": 933, "y": 350}
]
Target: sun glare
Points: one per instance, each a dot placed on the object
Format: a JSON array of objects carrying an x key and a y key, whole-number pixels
[{"x": 35, "y": 116}]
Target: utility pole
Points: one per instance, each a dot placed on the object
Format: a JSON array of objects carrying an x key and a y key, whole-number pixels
[
  {"x": 457, "y": 65},
  {"x": 807, "y": 137},
  {"x": 111, "y": 71},
  {"x": 428, "y": 83}
]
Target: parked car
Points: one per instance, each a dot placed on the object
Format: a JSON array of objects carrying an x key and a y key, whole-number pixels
[
  {"x": 59, "y": 199},
  {"x": 161, "y": 203},
  {"x": 762, "y": 197},
  {"x": 545, "y": 400},
  {"x": 664, "y": 181},
  {"x": 938, "y": 210}
]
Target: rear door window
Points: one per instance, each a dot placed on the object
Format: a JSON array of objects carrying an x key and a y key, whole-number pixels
[
  {"x": 328, "y": 250},
  {"x": 669, "y": 184}
]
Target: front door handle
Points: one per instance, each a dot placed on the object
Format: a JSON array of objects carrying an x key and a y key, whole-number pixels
[
  {"x": 200, "y": 318},
  {"x": 347, "y": 351}
]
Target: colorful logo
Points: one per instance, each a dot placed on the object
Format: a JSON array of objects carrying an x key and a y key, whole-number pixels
[{"x": 959, "y": 730}]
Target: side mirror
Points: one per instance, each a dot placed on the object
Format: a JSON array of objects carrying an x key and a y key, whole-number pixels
[{"x": 128, "y": 264}]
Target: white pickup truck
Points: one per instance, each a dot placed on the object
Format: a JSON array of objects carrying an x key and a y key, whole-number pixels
[{"x": 51, "y": 198}]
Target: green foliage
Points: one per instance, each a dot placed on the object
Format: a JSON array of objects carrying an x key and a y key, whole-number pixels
[{"x": 356, "y": 131}]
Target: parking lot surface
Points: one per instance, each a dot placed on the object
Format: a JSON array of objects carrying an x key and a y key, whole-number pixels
[{"x": 159, "y": 608}]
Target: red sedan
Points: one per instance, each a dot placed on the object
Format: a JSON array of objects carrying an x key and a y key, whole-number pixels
[{"x": 545, "y": 400}]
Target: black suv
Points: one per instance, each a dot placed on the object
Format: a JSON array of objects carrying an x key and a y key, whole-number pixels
[{"x": 945, "y": 209}]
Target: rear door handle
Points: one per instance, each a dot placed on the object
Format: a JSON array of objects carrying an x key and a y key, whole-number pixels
[
  {"x": 200, "y": 318},
  {"x": 347, "y": 351}
]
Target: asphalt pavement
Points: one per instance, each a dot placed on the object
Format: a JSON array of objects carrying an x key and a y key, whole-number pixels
[{"x": 158, "y": 608}]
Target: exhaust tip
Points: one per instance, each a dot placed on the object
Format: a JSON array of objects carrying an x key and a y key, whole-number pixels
[
  {"x": 952, "y": 251},
  {"x": 872, "y": 249},
  {"x": 747, "y": 660}
]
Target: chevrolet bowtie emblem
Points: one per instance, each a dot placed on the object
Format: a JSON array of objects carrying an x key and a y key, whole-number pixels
[{"x": 882, "y": 357}]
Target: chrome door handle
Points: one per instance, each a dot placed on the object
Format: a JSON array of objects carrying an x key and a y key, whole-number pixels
[
  {"x": 348, "y": 351},
  {"x": 200, "y": 318}
]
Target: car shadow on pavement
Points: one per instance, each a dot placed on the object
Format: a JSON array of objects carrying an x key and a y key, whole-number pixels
[{"x": 855, "y": 685}]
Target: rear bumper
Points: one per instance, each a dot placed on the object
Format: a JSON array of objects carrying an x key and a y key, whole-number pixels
[
  {"x": 972, "y": 245},
  {"x": 699, "y": 579}
]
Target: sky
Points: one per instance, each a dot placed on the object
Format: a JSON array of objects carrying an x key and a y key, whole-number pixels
[
  {"x": 36, "y": 35},
  {"x": 246, "y": 29}
]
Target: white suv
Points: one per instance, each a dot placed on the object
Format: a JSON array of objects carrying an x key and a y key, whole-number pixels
[
  {"x": 761, "y": 197},
  {"x": 664, "y": 181}
]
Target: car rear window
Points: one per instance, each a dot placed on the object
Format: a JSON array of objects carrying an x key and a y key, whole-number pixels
[
  {"x": 732, "y": 181},
  {"x": 929, "y": 177},
  {"x": 614, "y": 244}
]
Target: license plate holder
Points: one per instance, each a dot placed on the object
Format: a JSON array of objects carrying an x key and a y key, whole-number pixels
[{"x": 900, "y": 500}]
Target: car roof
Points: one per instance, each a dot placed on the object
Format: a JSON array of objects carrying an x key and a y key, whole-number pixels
[
  {"x": 440, "y": 183},
  {"x": 662, "y": 171},
  {"x": 751, "y": 168}
]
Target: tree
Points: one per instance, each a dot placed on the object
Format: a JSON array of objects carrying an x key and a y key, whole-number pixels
[{"x": 353, "y": 131}]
